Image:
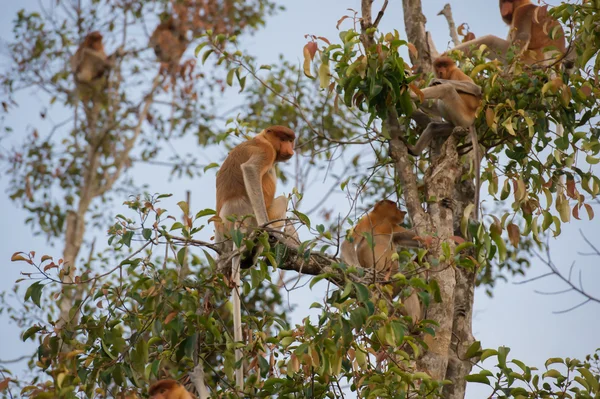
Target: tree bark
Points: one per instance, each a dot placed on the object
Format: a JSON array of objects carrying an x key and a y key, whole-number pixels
[
  {"x": 455, "y": 313},
  {"x": 95, "y": 183}
]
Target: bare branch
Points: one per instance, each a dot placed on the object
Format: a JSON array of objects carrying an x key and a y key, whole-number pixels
[
  {"x": 447, "y": 12},
  {"x": 380, "y": 14}
]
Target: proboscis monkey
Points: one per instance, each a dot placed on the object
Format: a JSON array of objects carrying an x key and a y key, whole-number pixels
[
  {"x": 168, "y": 389},
  {"x": 169, "y": 42},
  {"x": 90, "y": 66},
  {"x": 455, "y": 106},
  {"x": 383, "y": 224},
  {"x": 539, "y": 37},
  {"x": 246, "y": 186}
]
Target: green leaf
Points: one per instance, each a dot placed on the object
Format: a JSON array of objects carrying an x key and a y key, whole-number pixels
[
  {"x": 176, "y": 226},
  {"x": 362, "y": 292},
  {"x": 473, "y": 349},
  {"x": 552, "y": 373},
  {"x": 205, "y": 212},
  {"x": 147, "y": 233},
  {"x": 502, "y": 354},
  {"x": 481, "y": 379},
  {"x": 34, "y": 291},
  {"x": 181, "y": 256},
  {"x": 211, "y": 166},
  {"x": 206, "y": 55},
  {"x": 184, "y": 207},
  {"x": 199, "y": 48},
  {"x": 303, "y": 218},
  {"x": 127, "y": 236},
  {"x": 230, "y": 75},
  {"x": 554, "y": 360},
  {"x": 324, "y": 75},
  {"x": 30, "y": 332}
]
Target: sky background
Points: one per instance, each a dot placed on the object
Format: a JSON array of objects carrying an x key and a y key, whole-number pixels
[{"x": 516, "y": 317}]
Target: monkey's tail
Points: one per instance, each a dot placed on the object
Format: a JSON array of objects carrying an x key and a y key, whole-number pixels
[{"x": 476, "y": 166}]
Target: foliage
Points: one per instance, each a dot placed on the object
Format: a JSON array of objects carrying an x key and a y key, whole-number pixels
[
  {"x": 563, "y": 378},
  {"x": 155, "y": 303}
]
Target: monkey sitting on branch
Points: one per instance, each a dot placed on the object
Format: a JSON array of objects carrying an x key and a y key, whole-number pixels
[
  {"x": 90, "y": 66},
  {"x": 169, "y": 41},
  {"x": 456, "y": 99},
  {"x": 246, "y": 185},
  {"x": 383, "y": 225}
]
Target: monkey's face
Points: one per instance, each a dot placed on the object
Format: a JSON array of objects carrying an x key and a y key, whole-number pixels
[
  {"x": 282, "y": 139},
  {"x": 286, "y": 148},
  {"x": 441, "y": 72},
  {"x": 94, "y": 41},
  {"x": 390, "y": 210}
]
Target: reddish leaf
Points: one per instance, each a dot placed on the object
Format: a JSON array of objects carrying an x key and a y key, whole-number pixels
[
  {"x": 513, "y": 234},
  {"x": 311, "y": 49},
  {"x": 413, "y": 50},
  {"x": 469, "y": 36},
  {"x": 52, "y": 265},
  {"x": 576, "y": 212},
  {"x": 417, "y": 91},
  {"x": 571, "y": 187},
  {"x": 586, "y": 90},
  {"x": 170, "y": 317},
  {"x": 17, "y": 257},
  {"x": 339, "y": 22},
  {"x": 4, "y": 384},
  {"x": 324, "y": 39}
]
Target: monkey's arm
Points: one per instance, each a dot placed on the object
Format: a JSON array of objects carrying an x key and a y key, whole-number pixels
[
  {"x": 434, "y": 129},
  {"x": 461, "y": 86},
  {"x": 252, "y": 172},
  {"x": 348, "y": 253},
  {"x": 497, "y": 47},
  {"x": 406, "y": 239}
]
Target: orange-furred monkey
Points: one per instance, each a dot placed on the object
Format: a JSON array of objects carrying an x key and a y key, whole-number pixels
[
  {"x": 90, "y": 66},
  {"x": 457, "y": 107},
  {"x": 168, "y": 389},
  {"x": 246, "y": 186},
  {"x": 383, "y": 223},
  {"x": 530, "y": 30},
  {"x": 169, "y": 42}
]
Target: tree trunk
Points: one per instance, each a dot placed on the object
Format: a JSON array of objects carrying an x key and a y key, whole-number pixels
[{"x": 455, "y": 314}]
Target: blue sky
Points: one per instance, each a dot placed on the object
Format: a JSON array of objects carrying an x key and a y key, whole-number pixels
[{"x": 516, "y": 316}]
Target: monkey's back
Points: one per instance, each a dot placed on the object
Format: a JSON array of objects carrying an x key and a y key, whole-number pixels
[
  {"x": 230, "y": 179},
  {"x": 542, "y": 25}
]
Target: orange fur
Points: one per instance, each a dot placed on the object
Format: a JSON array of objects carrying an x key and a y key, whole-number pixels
[
  {"x": 383, "y": 220},
  {"x": 524, "y": 17},
  {"x": 90, "y": 67},
  {"x": 275, "y": 143},
  {"x": 168, "y": 389},
  {"x": 88, "y": 62},
  {"x": 169, "y": 42},
  {"x": 445, "y": 68}
]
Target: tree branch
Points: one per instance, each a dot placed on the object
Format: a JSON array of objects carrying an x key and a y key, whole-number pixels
[{"x": 447, "y": 12}]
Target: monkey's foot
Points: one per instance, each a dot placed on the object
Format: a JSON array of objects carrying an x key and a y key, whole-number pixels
[{"x": 448, "y": 203}]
